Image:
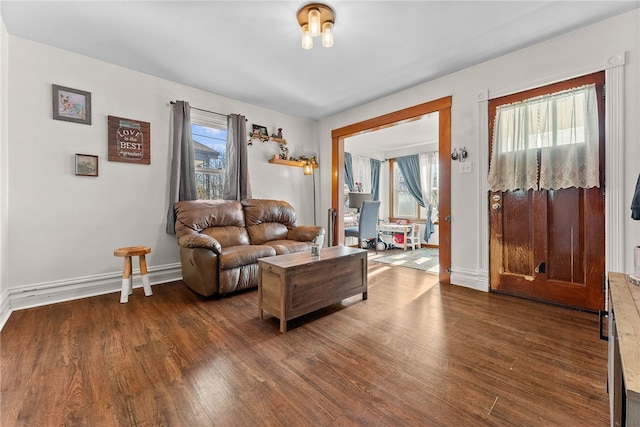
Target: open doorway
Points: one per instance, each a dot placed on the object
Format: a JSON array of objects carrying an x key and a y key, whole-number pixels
[
  {"x": 443, "y": 107},
  {"x": 407, "y": 229}
]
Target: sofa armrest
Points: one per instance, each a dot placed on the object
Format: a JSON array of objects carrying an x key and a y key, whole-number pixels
[
  {"x": 307, "y": 233},
  {"x": 200, "y": 241}
]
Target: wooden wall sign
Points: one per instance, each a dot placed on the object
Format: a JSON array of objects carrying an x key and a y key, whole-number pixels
[{"x": 129, "y": 140}]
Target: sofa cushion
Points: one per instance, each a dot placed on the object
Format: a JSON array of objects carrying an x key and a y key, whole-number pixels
[
  {"x": 221, "y": 219},
  {"x": 228, "y": 236},
  {"x": 268, "y": 220},
  {"x": 288, "y": 246},
  {"x": 237, "y": 256}
]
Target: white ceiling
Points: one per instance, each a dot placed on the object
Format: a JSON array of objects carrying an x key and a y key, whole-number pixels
[
  {"x": 250, "y": 50},
  {"x": 395, "y": 140}
]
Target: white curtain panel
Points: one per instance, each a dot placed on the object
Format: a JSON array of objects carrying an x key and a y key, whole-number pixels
[
  {"x": 361, "y": 171},
  {"x": 427, "y": 168},
  {"x": 563, "y": 126}
]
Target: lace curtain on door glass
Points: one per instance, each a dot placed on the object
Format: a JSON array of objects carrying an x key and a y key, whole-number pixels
[{"x": 562, "y": 126}]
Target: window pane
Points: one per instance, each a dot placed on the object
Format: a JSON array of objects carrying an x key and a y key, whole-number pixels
[
  {"x": 210, "y": 150},
  {"x": 545, "y": 121},
  {"x": 209, "y": 184},
  {"x": 404, "y": 205}
]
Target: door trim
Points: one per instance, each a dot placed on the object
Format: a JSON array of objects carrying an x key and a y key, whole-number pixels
[{"x": 443, "y": 106}]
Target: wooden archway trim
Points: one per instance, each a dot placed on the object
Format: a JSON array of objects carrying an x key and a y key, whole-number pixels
[{"x": 443, "y": 107}]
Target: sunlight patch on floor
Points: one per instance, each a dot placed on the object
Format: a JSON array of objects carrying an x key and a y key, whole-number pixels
[
  {"x": 378, "y": 271},
  {"x": 422, "y": 260}
]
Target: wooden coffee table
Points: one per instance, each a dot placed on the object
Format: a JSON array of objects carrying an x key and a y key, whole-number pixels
[{"x": 292, "y": 285}]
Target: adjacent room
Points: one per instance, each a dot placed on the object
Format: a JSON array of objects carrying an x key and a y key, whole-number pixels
[
  {"x": 407, "y": 220},
  {"x": 282, "y": 213}
]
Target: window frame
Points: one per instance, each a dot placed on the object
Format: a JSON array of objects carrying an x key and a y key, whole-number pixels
[{"x": 421, "y": 218}]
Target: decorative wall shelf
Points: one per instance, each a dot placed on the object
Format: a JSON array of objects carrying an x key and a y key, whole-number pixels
[
  {"x": 296, "y": 163},
  {"x": 265, "y": 138}
]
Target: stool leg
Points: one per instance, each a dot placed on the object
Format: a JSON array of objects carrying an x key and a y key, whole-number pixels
[
  {"x": 127, "y": 286},
  {"x": 144, "y": 276}
]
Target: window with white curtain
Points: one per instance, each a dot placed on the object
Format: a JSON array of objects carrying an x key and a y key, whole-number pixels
[
  {"x": 561, "y": 127},
  {"x": 361, "y": 167}
]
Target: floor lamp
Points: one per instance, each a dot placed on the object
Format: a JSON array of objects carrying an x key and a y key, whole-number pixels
[{"x": 308, "y": 170}]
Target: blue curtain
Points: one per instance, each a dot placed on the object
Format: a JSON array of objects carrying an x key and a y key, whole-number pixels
[
  {"x": 429, "y": 226},
  {"x": 410, "y": 169},
  {"x": 348, "y": 171},
  {"x": 375, "y": 178}
]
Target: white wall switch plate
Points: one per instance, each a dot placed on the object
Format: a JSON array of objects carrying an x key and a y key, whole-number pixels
[{"x": 464, "y": 167}]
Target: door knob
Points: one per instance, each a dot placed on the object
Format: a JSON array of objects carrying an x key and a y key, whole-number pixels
[{"x": 495, "y": 206}]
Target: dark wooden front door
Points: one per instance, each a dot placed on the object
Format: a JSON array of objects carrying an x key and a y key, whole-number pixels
[{"x": 549, "y": 244}]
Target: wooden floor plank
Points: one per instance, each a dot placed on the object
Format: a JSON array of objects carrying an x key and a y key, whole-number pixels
[{"x": 414, "y": 353}]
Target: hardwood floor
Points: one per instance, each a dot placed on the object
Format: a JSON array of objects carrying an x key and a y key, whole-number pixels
[{"x": 415, "y": 353}]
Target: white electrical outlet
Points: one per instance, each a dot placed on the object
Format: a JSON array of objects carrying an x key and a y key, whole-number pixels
[{"x": 464, "y": 167}]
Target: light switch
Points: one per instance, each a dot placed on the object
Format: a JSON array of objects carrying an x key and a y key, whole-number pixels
[{"x": 464, "y": 167}]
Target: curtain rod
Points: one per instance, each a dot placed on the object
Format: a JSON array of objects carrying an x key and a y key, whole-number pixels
[{"x": 201, "y": 109}]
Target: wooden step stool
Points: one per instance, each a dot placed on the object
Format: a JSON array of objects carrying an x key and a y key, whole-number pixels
[{"x": 127, "y": 283}]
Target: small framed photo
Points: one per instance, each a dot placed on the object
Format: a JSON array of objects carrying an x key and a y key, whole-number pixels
[
  {"x": 260, "y": 131},
  {"x": 71, "y": 105},
  {"x": 86, "y": 165}
]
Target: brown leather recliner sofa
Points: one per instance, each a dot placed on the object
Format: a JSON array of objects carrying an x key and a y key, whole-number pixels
[{"x": 221, "y": 241}]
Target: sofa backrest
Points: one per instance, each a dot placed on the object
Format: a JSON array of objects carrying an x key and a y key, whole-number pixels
[
  {"x": 268, "y": 220},
  {"x": 221, "y": 219}
]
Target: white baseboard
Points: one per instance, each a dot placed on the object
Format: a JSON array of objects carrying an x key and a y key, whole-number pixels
[
  {"x": 474, "y": 279},
  {"x": 39, "y": 294},
  {"x": 5, "y": 309}
]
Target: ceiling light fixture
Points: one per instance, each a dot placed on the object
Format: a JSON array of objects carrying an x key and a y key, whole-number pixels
[{"x": 316, "y": 19}]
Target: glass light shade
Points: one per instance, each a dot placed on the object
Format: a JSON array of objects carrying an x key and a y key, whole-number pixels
[
  {"x": 327, "y": 34},
  {"x": 307, "y": 40},
  {"x": 314, "y": 22},
  {"x": 307, "y": 169}
]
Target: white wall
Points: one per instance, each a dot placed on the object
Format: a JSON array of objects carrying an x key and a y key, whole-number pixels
[
  {"x": 4, "y": 162},
  {"x": 63, "y": 228},
  {"x": 533, "y": 66}
]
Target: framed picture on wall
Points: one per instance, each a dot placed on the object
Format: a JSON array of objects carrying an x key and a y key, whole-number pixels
[
  {"x": 86, "y": 165},
  {"x": 71, "y": 105},
  {"x": 129, "y": 140},
  {"x": 260, "y": 131}
]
